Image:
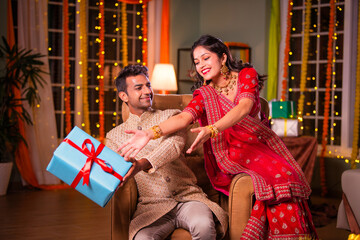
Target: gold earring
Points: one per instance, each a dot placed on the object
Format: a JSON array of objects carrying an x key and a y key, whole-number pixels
[
  {"x": 224, "y": 70},
  {"x": 204, "y": 84}
]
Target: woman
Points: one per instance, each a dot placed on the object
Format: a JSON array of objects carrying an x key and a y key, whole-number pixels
[{"x": 237, "y": 140}]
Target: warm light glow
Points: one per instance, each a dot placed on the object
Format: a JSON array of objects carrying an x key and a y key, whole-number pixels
[{"x": 163, "y": 77}]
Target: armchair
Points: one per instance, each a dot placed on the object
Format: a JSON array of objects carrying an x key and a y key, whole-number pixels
[{"x": 238, "y": 204}]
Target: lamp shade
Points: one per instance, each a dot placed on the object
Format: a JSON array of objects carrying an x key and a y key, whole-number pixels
[{"x": 163, "y": 77}]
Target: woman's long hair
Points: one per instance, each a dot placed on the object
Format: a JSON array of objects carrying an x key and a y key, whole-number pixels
[{"x": 216, "y": 46}]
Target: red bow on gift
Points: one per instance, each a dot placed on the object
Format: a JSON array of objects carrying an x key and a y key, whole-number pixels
[{"x": 92, "y": 157}]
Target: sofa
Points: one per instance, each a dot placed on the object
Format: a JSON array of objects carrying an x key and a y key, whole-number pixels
[
  {"x": 349, "y": 210},
  {"x": 238, "y": 204}
]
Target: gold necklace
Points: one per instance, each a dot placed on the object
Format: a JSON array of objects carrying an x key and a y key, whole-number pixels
[{"x": 229, "y": 86}]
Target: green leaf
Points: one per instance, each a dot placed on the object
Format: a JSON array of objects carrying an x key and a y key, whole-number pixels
[{"x": 22, "y": 72}]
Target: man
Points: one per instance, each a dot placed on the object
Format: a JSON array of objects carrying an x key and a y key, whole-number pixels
[{"x": 168, "y": 195}]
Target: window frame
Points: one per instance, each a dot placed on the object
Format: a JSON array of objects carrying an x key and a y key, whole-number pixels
[
  {"x": 349, "y": 73},
  {"x": 76, "y": 111}
]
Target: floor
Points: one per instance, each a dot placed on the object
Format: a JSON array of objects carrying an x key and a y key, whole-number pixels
[
  {"x": 329, "y": 232},
  {"x": 66, "y": 214},
  {"x": 57, "y": 214}
]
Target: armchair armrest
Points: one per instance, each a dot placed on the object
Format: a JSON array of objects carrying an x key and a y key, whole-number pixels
[
  {"x": 123, "y": 205},
  {"x": 241, "y": 199}
]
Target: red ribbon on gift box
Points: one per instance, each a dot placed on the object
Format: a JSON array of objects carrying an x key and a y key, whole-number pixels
[{"x": 92, "y": 157}]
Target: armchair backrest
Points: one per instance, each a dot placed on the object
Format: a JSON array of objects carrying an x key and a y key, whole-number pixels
[{"x": 265, "y": 106}]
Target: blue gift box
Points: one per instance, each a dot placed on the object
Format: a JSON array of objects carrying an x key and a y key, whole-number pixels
[{"x": 68, "y": 161}]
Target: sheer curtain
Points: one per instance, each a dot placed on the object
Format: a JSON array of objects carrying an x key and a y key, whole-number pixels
[
  {"x": 42, "y": 136},
  {"x": 154, "y": 33}
]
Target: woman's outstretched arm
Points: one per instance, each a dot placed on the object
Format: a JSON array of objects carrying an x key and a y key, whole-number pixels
[
  {"x": 141, "y": 137},
  {"x": 234, "y": 116}
]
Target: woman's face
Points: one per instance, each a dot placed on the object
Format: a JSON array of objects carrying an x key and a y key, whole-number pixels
[{"x": 207, "y": 63}]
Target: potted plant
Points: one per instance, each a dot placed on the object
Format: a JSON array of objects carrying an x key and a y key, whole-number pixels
[{"x": 20, "y": 69}]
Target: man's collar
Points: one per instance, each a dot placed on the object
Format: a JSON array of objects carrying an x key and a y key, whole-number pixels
[{"x": 146, "y": 114}]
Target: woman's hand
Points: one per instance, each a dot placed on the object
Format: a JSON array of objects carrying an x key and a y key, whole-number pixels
[
  {"x": 204, "y": 134},
  {"x": 131, "y": 147}
]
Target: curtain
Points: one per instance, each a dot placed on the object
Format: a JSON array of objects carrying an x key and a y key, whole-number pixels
[
  {"x": 42, "y": 135},
  {"x": 165, "y": 32},
  {"x": 154, "y": 33},
  {"x": 158, "y": 33},
  {"x": 273, "y": 54},
  {"x": 22, "y": 158}
]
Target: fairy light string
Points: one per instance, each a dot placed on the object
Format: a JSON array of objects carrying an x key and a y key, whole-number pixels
[
  {"x": 144, "y": 33},
  {"x": 304, "y": 64},
  {"x": 124, "y": 37},
  {"x": 124, "y": 52},
  {"x": 287, "y": 51},
  {"x": 355, "y": 143},
  {"x": 329, "y": 74},
  {"x": 84, "y": 65},
  {"x": 66, "y": 66},
  {"x": 101, "y": 70}
]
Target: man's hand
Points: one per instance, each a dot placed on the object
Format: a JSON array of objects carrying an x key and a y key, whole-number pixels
[
  {"x": 137, "y": 166},
  {"x": 131, "y": 147}
]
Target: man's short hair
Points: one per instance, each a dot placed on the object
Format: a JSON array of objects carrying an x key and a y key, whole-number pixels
[{"x": 129, "y": 71}]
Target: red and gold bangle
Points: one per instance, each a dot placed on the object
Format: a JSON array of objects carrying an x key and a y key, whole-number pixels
[
  {"x": 214, "y": 131},
  {"x": 156, "y": 131}
]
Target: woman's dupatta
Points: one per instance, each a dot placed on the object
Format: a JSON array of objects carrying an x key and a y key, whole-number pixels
[{"x": 216, "y": 107}]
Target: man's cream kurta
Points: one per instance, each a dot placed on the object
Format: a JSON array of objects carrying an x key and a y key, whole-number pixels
[{"x": 169, "y": 181}]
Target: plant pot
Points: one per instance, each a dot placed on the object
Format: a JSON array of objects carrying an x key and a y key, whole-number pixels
[{"x": 5, "y": 172}]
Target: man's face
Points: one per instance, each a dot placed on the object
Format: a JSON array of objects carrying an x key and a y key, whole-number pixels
[{"x": 139, "y": 94}]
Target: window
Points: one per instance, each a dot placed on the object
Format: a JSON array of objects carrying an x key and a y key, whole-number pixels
[
  {"x": 113, "y": 59},
  {"x": 340, "y": 109}
]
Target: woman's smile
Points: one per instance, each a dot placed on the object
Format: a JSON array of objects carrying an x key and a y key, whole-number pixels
[{"x": 205, "y": 71}]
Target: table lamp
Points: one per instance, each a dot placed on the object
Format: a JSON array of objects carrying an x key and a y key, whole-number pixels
[{"x": 163, "y": 78}]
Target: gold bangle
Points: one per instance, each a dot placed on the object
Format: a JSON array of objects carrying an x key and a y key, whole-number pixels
[
  {"x": 214, "y": 131},
  {"x": 156, "y": 131},
  {"x": 211, "y": 130}
]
